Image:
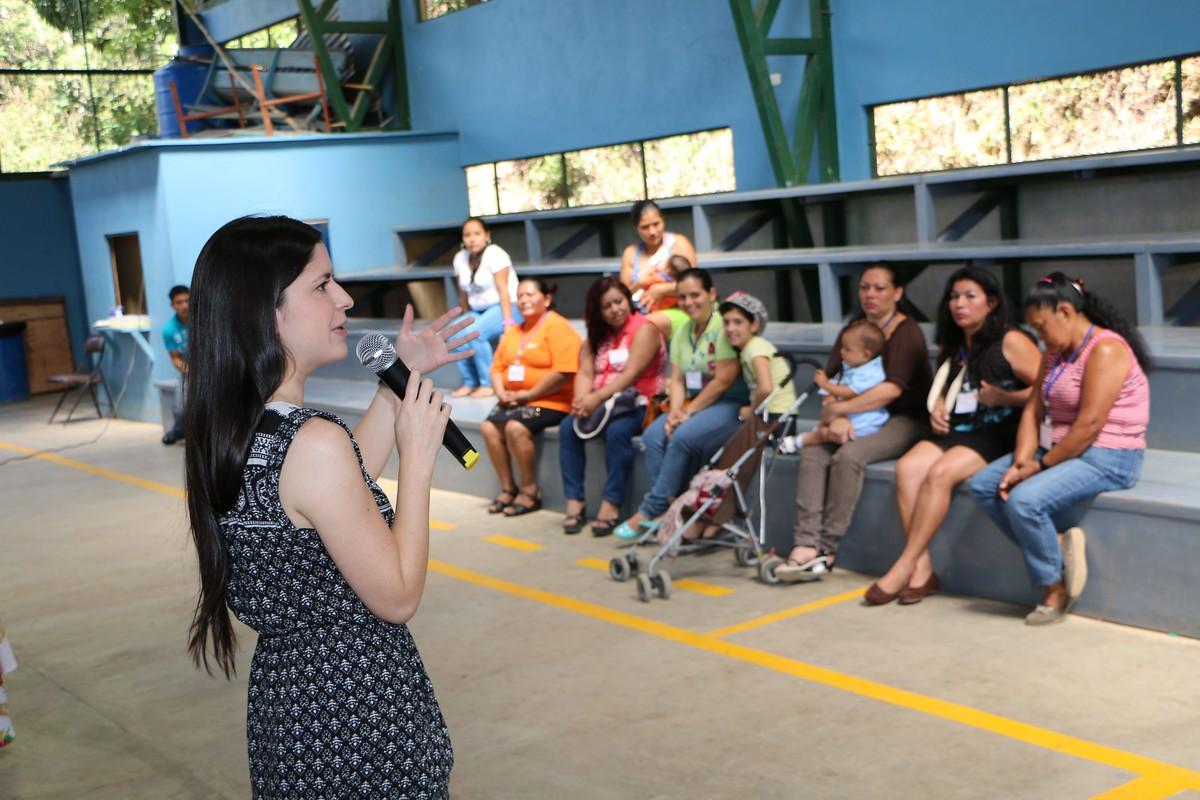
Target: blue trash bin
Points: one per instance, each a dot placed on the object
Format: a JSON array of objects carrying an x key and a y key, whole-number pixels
[{"x": 14, "y": 372}]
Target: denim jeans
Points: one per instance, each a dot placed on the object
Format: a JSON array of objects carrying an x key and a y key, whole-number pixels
[
  {"x": 671, "y": 461},
  {"x": 1041, "y": 506},
  {"x": 618, "y": 456},
  {"x": 477, "y": 370}
]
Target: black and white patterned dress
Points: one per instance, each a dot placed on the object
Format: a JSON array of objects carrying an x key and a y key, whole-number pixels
[{"x": 339, "y": 702}]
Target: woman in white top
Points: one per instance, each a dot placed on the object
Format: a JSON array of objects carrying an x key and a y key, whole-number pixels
[
  {"x": 487, "y": 292},
  {"x": 643, "y": 263}
]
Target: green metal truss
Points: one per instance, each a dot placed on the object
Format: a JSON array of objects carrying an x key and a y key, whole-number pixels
[
  {"x": 389, "y": 50},
  {"x": 816, "y": 122}
]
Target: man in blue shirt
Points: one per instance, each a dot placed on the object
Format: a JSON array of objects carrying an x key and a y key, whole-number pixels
[{"x": 175, "y": 339}]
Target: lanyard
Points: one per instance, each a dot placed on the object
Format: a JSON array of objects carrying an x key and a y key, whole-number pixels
[
  {"x": 696, "y": 344},
  {"x": 525, "y": 336},
  {"x": 888, "y": 324},
  {"x": 1060, "y": 367}
]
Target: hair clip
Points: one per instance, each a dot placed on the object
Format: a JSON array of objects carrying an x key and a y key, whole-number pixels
[
  {"x": 1046, "y": 280},
  {"x": 1078, "y": 284}
]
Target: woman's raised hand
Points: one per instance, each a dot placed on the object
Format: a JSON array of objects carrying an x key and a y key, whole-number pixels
[
  {"x": 420, "y": 423},
  {"x": 428, "y": 349}
]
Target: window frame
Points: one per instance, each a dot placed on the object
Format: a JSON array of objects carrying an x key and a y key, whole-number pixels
[{"x": 1177, "y": 61}]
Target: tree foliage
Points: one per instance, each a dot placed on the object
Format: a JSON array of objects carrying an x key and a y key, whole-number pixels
[{"x": 51, "y": 118}]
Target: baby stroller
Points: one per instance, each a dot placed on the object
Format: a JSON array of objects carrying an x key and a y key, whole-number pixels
[{"x": 717, "y": 497}]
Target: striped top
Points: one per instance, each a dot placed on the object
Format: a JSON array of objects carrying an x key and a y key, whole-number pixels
[{"x": 1125, "y": 428}]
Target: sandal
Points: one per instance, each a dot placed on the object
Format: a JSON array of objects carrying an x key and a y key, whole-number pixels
[
  {"x": 603, "y": 527},
  {"x": 573, "y": 523},
  {"x": 515, "y": 509},
  {"x": 498, "y": 505},
  {"x": 812, "y": 570}
]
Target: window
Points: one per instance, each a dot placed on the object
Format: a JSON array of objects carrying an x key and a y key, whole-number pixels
[
  {"x": 281, "y": 34},
  {"x": 691, "y": 163},
  {"x": 432, "y": 9},
  {"x": 1109, "y": 111}
]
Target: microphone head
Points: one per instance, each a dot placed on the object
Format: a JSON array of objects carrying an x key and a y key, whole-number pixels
[{"x": 375, "y": 352}]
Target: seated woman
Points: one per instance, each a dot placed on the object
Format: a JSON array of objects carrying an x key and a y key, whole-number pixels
[
  {"x": 530, "y": 372},
  {"x": 830, "y": 477},
  {"x": 973, "y": 415},
  {"x": 487, "y": 292},
  {"x": 706, "y": 390},
  {"x": 1082, "y": 433},
  {"x": 645, "y": 264},
  {"x": 623, "y": 353}
]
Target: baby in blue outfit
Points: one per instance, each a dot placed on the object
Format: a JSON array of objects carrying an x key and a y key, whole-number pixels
[{"x": 862, "y": 369}]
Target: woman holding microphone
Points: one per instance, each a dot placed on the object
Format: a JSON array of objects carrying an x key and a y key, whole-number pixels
[{"x": 294, "y": 535}]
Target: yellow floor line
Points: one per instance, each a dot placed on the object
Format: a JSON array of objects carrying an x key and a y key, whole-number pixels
[
  {"x": 1154, "y": 776},
  {"x": 1147, "y": 787},
  {"x": 788, "y": 613},
  {"x": 515, "y": 544},
  {"x": 701, "y": 587},
  {"x": 954, "y": 712},
  {"x": 390, "y": 488},
  {"x": 54, "y": 458},
  {"x": 687, "y": 584}
]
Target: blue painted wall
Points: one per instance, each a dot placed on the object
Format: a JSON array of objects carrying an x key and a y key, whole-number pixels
[
  {"x": 524, "y": 77},
  {"x": 40, "y": 257},
  {"x": 173, "y": 195}
]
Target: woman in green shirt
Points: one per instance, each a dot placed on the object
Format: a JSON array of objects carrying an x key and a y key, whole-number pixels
[{"x": 706, "y": 391}]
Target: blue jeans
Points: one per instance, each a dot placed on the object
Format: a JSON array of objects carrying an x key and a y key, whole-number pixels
[
  {"x": 1041, "y": 506},
  {"x": 618, "y": 456},
  {"x": 477, "y": 370},
  {"x": 672, "y": 461}
]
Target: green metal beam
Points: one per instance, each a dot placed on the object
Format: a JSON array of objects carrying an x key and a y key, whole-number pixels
[
  {"x": 751, "y": 41},
  {"x": 389, "y": 52},
  {"x": 765, "y": 15},
  {"x": 793, "y": 47}
]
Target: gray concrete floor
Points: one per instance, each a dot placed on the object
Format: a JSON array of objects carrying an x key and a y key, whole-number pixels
[{"x": 554, "y": 680}]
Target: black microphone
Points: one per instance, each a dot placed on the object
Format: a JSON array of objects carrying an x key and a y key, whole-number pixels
[{"x": 378, "y": 355}]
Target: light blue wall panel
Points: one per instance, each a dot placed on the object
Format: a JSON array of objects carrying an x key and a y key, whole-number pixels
[{"x": 175, "y": 195}]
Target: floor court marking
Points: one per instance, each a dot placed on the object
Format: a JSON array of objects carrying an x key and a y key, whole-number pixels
[
  {"x": 1155, "y": 779},
  {"x": 1142, "y": 766},
  {"x": 687, "y": 584},
  {"x": 788, "y": 613},
  {"x": 391, "y": 488},
  {"x": 515, "y": 544},
  {"x": 1147, "y": 787}
]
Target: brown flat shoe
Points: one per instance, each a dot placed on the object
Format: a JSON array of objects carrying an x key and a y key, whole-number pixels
[
  {"x": 911, "y": 595},
  {"x": 878, "y": 597}
]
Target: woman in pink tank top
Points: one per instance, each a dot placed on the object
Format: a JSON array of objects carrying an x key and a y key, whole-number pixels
[
  {"x": 1082, "y": 433},
  {"x": 622, "y": 352}
]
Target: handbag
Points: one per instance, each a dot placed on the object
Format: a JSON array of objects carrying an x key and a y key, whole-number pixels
[
  {"x": 624, "y": 403},
  {"x": 939, "y": 383}
]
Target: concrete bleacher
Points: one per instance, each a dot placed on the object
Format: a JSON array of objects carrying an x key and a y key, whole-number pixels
[{"x": 1143, "y": 544}]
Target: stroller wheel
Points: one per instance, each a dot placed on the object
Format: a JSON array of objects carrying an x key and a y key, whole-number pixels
[
  {"x": 745, "y": 555},
  {"x": 618, "y": 569},
  {"x": 662, "y": 584},
  {"x": 643, "y": 587},
  {"x": 766, "y": 569},
  {"x": 634, "y": 567}
]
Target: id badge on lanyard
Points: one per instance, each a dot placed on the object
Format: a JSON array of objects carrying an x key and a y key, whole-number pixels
[
  {"x": 516, "y": 373},
  {"x": 1046, "y": 434},
  {"x": 967, "y": 401},
  {"x": 694, "y": 381},
  {"x": 618, "y": 357}
]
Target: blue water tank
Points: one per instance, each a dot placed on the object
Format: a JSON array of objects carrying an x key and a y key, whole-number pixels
[
  {"x": 188, "y": 70},
  {"x": 14, "y": 372}
]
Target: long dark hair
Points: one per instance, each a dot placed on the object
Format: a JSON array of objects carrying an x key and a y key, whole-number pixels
[
  {"x": 236, "y": 361},
  {"x": 597, "y": 329},
  {"x": 950, "y": 338},
  {"x": 1057, "y": 288},
  {"x": 640, "y": 208}
]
